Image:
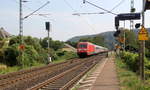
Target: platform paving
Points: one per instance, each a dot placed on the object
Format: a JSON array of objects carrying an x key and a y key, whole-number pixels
[{"x": 104, "y": 77}]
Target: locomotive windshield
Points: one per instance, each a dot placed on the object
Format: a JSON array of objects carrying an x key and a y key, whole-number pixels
[{"x": 82, "y": 46}]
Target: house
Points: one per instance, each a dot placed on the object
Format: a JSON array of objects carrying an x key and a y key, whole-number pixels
[
  {"x": 68, "y": 47},
  {"x": 3, "y": 33}
]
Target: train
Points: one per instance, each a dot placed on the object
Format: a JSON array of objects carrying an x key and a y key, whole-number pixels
[{"x": 85, "y": 49}]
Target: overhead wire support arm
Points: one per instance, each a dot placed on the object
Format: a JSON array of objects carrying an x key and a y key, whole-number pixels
[
  {"x": 87, "y": 13},
  {"x": 36, "y": 10},
  {"x": 84, "y": 1}
]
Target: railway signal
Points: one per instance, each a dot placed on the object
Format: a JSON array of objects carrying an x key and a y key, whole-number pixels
[
  {"x": 116, "y": 34},
  {"x": 146, "y": 5},
  {"x": 137, "y": 25},
  {"x": 117, "y": 22},
  {"x": 47, "y": 25},
  {"x": 126, "y": 16},
  {"x": 84, "y": 1}
]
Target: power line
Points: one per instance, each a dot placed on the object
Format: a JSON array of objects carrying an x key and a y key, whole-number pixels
[
  {"x": 87, "y": 22},
  {"x": 70, "y": 5},
  {"x": 37, "y": 10},
  {"x": 100, "y": 8},
  {"x": 43, "y": 15},
  {"x": 117, "y": 5}
]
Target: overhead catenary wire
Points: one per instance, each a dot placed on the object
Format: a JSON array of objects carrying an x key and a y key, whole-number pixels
[
  {"x": 43, "y": 15},
  {"x": 117, "y": 5},
  {"x": 36, "y": 10},
  {"x": 101, "y": 8},
  {"x": 86, "y": 21}
]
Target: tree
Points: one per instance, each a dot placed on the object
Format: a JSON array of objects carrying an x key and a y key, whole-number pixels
[
  {"x": 74, "y": 44},
  {"x": 53, "y": 44},
  {"x": 98, "y": 40},
  {"x": 131, "y": 41}
]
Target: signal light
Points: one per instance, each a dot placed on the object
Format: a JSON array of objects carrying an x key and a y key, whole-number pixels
[
  {"x": 47, "y": 24},
  {"x": 137, "y": 25},
  {"x": 116, "y": 34},
  {"x": 84, "y": 1},
  {"x": 117, "y": 22},
  {"x": 147, "y": 5}
]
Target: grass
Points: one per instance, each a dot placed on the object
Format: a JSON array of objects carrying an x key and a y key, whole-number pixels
[
  {"x": 128, "y": 79},
  {"x": 17, "y": 68}
]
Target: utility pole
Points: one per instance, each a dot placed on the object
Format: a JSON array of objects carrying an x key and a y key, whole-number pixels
[
  {"x": 124, "y": 37},
  {"x": 21, "y": 46},
  {"x": 20, "y": 22},
  {"x": 142, "y": 47}
]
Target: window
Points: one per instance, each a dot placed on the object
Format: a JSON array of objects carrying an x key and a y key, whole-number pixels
[{"x": 82, "y": 46}]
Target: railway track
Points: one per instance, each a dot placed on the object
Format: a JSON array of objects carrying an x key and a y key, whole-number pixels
[{"x": 58, "y": 76}]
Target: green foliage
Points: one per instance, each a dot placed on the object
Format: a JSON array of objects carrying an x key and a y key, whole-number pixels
[
  {"x": 147, "y": 46},
  {"x": 98, "y": 40},
  {"x": 53, "y": 54},
  {"x": 28, "y": 57},
  {"x": 33, "y": 42},
  {"x": 132, "y": 61},
  {"x": 32, "y": 53},
  {"x": 2, "y": 56},
  {"x": 70, "y": 55},
  {"x": 14, "y": 40},
  {"x": 10, "y": 55},
  {"x": 53, "y": 44},
  {"x": 147, "y": 74},
  {"x": 128, "y": 79},
  {"x": 35, "y": 52},
  {"x": 74, "y": 44},
  {"x": 131, "y": 41}
]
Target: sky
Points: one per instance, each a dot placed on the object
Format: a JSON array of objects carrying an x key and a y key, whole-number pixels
[{"x": 64, "y": 25}]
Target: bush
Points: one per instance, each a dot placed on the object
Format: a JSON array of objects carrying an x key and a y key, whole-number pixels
[
  {"x": 131, "y": 60},
  {"x": 147, "y": 74},
  {"x": 70, "y": 55},
  {"x": 29, "y": 56},
  {"x": 147, "y": 53},
  {"x": 10, "y": 55}
]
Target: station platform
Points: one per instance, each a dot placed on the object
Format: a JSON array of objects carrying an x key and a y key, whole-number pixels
[{"x": 103, "y": 77}]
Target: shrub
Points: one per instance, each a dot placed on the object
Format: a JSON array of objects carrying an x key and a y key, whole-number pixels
[
  {"x": 147, "y": 74},
  {"x": 132, "y": 60},
  {"x": 10, "y": 55}
]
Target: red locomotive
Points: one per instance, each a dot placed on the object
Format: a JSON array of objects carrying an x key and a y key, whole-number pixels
[{"x": 86, "y": 49}]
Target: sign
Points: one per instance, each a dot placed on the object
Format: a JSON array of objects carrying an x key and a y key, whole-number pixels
[
  {"x": 143, "y": 34},
  {"x": 129, "y": 16},
  {"x": 21, "y": 47},
  {"x": 122, "y": 40},
  {"x": 118, "y": 47}
]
